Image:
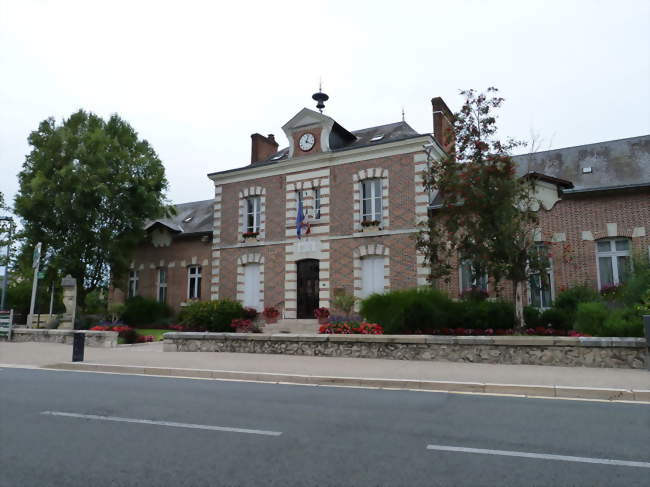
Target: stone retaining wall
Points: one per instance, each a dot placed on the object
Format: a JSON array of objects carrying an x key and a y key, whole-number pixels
[
  {"x": 103, "y": 339},
  {"x": 566, "y": 351}
]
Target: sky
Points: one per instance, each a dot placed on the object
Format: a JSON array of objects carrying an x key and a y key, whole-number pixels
[{"x": 197, "y": 78}]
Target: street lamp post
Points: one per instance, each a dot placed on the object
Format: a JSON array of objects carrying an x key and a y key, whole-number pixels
[{"x": 10, "y": 224}]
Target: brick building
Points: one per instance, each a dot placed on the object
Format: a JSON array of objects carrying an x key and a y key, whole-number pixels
[{"x": 362, "y": 197}]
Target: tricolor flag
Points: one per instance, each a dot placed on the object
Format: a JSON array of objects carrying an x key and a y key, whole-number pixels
[{"x": 302, "y": 220}]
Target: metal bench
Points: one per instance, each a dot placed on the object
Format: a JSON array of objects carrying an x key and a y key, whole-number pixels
[{"x": 6, "y": 323}]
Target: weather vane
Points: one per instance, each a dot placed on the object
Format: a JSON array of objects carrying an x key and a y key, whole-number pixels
[{"x": 320, "y": 97}]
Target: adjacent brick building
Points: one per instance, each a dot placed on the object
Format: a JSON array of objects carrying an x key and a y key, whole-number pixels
[{"x": 362, "y": 197}]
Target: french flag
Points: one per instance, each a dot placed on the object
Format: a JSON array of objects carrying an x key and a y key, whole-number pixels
[{"x": 302, "y": 220}]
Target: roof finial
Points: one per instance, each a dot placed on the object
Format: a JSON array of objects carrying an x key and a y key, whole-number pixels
[
  {"x": 320, "y": 97},
  {"x": 403, "y": 115}
]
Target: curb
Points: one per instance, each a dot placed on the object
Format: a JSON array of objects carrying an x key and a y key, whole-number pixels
[{"x": 555, "y": 391}]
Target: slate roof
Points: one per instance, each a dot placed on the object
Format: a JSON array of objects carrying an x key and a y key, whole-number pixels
[
  {"x": 391, "y": 132},
  {"x": 614, "y": 164},
  {"x": 198, "y": 213}
]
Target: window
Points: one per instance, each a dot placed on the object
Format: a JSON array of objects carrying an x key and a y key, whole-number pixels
[
  {"x": 194, "y": 282},
  {"x": 317, "y": 204},
  {"x": 162, "y": 285},
  {"x": 252, "y": 286},
  {"x": 541, "y": 290},
  {"x": 371, "y": 200},
  {"x": 252, "y": 223},
  {"x": 372, "y": 276},
  {"x": 469, "y": 277},
  {"x": 613, "y": 260},
  {"x": 133, "y": 283}
]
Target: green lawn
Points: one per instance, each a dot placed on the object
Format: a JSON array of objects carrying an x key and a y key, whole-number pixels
[{"x": 156, "y": 333}]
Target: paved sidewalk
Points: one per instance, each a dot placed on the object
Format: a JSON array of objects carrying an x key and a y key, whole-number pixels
[{"x": 151, "y": 355}]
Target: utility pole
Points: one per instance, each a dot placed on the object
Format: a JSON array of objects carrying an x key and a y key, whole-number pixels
[{"x": 35, "y": 264}]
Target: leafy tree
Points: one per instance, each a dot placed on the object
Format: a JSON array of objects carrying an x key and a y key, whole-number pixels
[
  {"x": 86, "y": 189},
  {"x": 487, "y": 215}
]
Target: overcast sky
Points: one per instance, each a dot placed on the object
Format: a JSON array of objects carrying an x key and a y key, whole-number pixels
[{"x": 197, "y": 78}]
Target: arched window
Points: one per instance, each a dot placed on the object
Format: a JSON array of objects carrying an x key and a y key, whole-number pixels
[{"x": 613, "y": 261}]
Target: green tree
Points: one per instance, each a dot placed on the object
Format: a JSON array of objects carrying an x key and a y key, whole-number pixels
[
  {"x": 86, "y": 189},
  {"x": 487, "y": 215}
]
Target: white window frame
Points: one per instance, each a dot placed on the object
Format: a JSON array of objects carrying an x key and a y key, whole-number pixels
[
  {"x": 551, "y": 283},
  {"x": 613, "y": 255},
  {"x": 162, "y": 284},
  {"x": 482, "y": 284},
  {"x": 375, "y": 200},
  {"x": 194, "y": 282},
  {"x": 134, "y": 280},
  {"x": 255, "y": 213}
]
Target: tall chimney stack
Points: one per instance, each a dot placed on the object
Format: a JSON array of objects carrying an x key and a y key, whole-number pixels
[
  {"x": 262, "y": 147},
  {"x": 443, "y": 129}
]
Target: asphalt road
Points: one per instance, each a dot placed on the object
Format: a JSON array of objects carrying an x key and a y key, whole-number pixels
[{"x": 86, "y": 429}]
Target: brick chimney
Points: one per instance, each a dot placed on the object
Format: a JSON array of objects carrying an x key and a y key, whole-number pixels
[
  {"x": 262, "y": 147},
  {"x": 442, "y": 124}
]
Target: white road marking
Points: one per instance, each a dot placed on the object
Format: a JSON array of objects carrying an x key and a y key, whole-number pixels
[
  {"x": 541, "y": 456},
  {"x": 163, "y": 423}
]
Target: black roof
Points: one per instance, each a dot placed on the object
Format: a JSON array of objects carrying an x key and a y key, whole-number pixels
[
  {"x": 391, "y": 132},
  {"x": 191, "y": 218},
  {"x": 610, "y": 164},
  {"x": 603, "y": 166}
]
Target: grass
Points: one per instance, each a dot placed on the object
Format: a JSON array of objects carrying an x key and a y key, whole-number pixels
[{"x": 156, "y": 333}]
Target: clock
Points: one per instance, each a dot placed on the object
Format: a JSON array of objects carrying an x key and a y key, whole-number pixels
[{"x": 306, "y": 142}]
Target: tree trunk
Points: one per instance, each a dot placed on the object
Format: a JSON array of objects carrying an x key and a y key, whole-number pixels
[{"x": 520, "y": 323}]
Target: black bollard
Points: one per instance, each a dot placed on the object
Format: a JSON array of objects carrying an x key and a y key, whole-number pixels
[{"x": 78, "y": 343}]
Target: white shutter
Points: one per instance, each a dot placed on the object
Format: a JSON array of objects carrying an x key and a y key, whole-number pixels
[
  {"x": 252, "y": 286},
  {"x": 372, "y": 276}
]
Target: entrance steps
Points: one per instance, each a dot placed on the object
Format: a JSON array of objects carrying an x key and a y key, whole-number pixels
[{"x": 292, "y": 326}]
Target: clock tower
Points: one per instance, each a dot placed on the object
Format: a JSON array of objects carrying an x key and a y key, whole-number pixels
[{"x": 310, "y": 132}]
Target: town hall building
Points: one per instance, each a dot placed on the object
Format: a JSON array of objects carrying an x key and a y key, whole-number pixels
[{"x": 337, "y": 211}]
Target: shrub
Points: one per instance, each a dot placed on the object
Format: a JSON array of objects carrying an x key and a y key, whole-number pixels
[
  {"x": 568, "y": 301},
  {"x": 211, "y": 315},
  {"x": 532, "y": 316},
  {"x": 410, "y": 310},
  {"x": 499, "y": 315},
  {"x": 623, "y": 323},
  {"x": 270, "y": 312},
  {"x": 344, "y": 303},
  {"x": 250, "y": 313},
  {"x": 590, "y": 318},
  {"x": 242, "y": 325},
  {"x": 321, "y": 312},
  {"x": 474, "y": 294},
  {"x": 637, "y": 285},
  {"x": 556, "y": 318},
  {"x": 95, "y": 302},
  {"x": 139, "y": 311}
]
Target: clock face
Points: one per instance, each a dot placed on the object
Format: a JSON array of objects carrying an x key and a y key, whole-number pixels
[{"x": 307, "y": 141}]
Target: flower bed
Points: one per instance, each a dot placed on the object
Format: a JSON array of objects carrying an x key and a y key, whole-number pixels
[{"x": 362, "y": 328}]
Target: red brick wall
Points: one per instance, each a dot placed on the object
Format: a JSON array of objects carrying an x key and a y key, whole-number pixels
[
  {"x": 401, "y": 192},
  {"x": 574, "y": 261},
  {"x": 181, "y": 249}
]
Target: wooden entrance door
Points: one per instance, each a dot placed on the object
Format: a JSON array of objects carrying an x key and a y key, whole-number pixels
[{"x": 307, "y": 288}]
